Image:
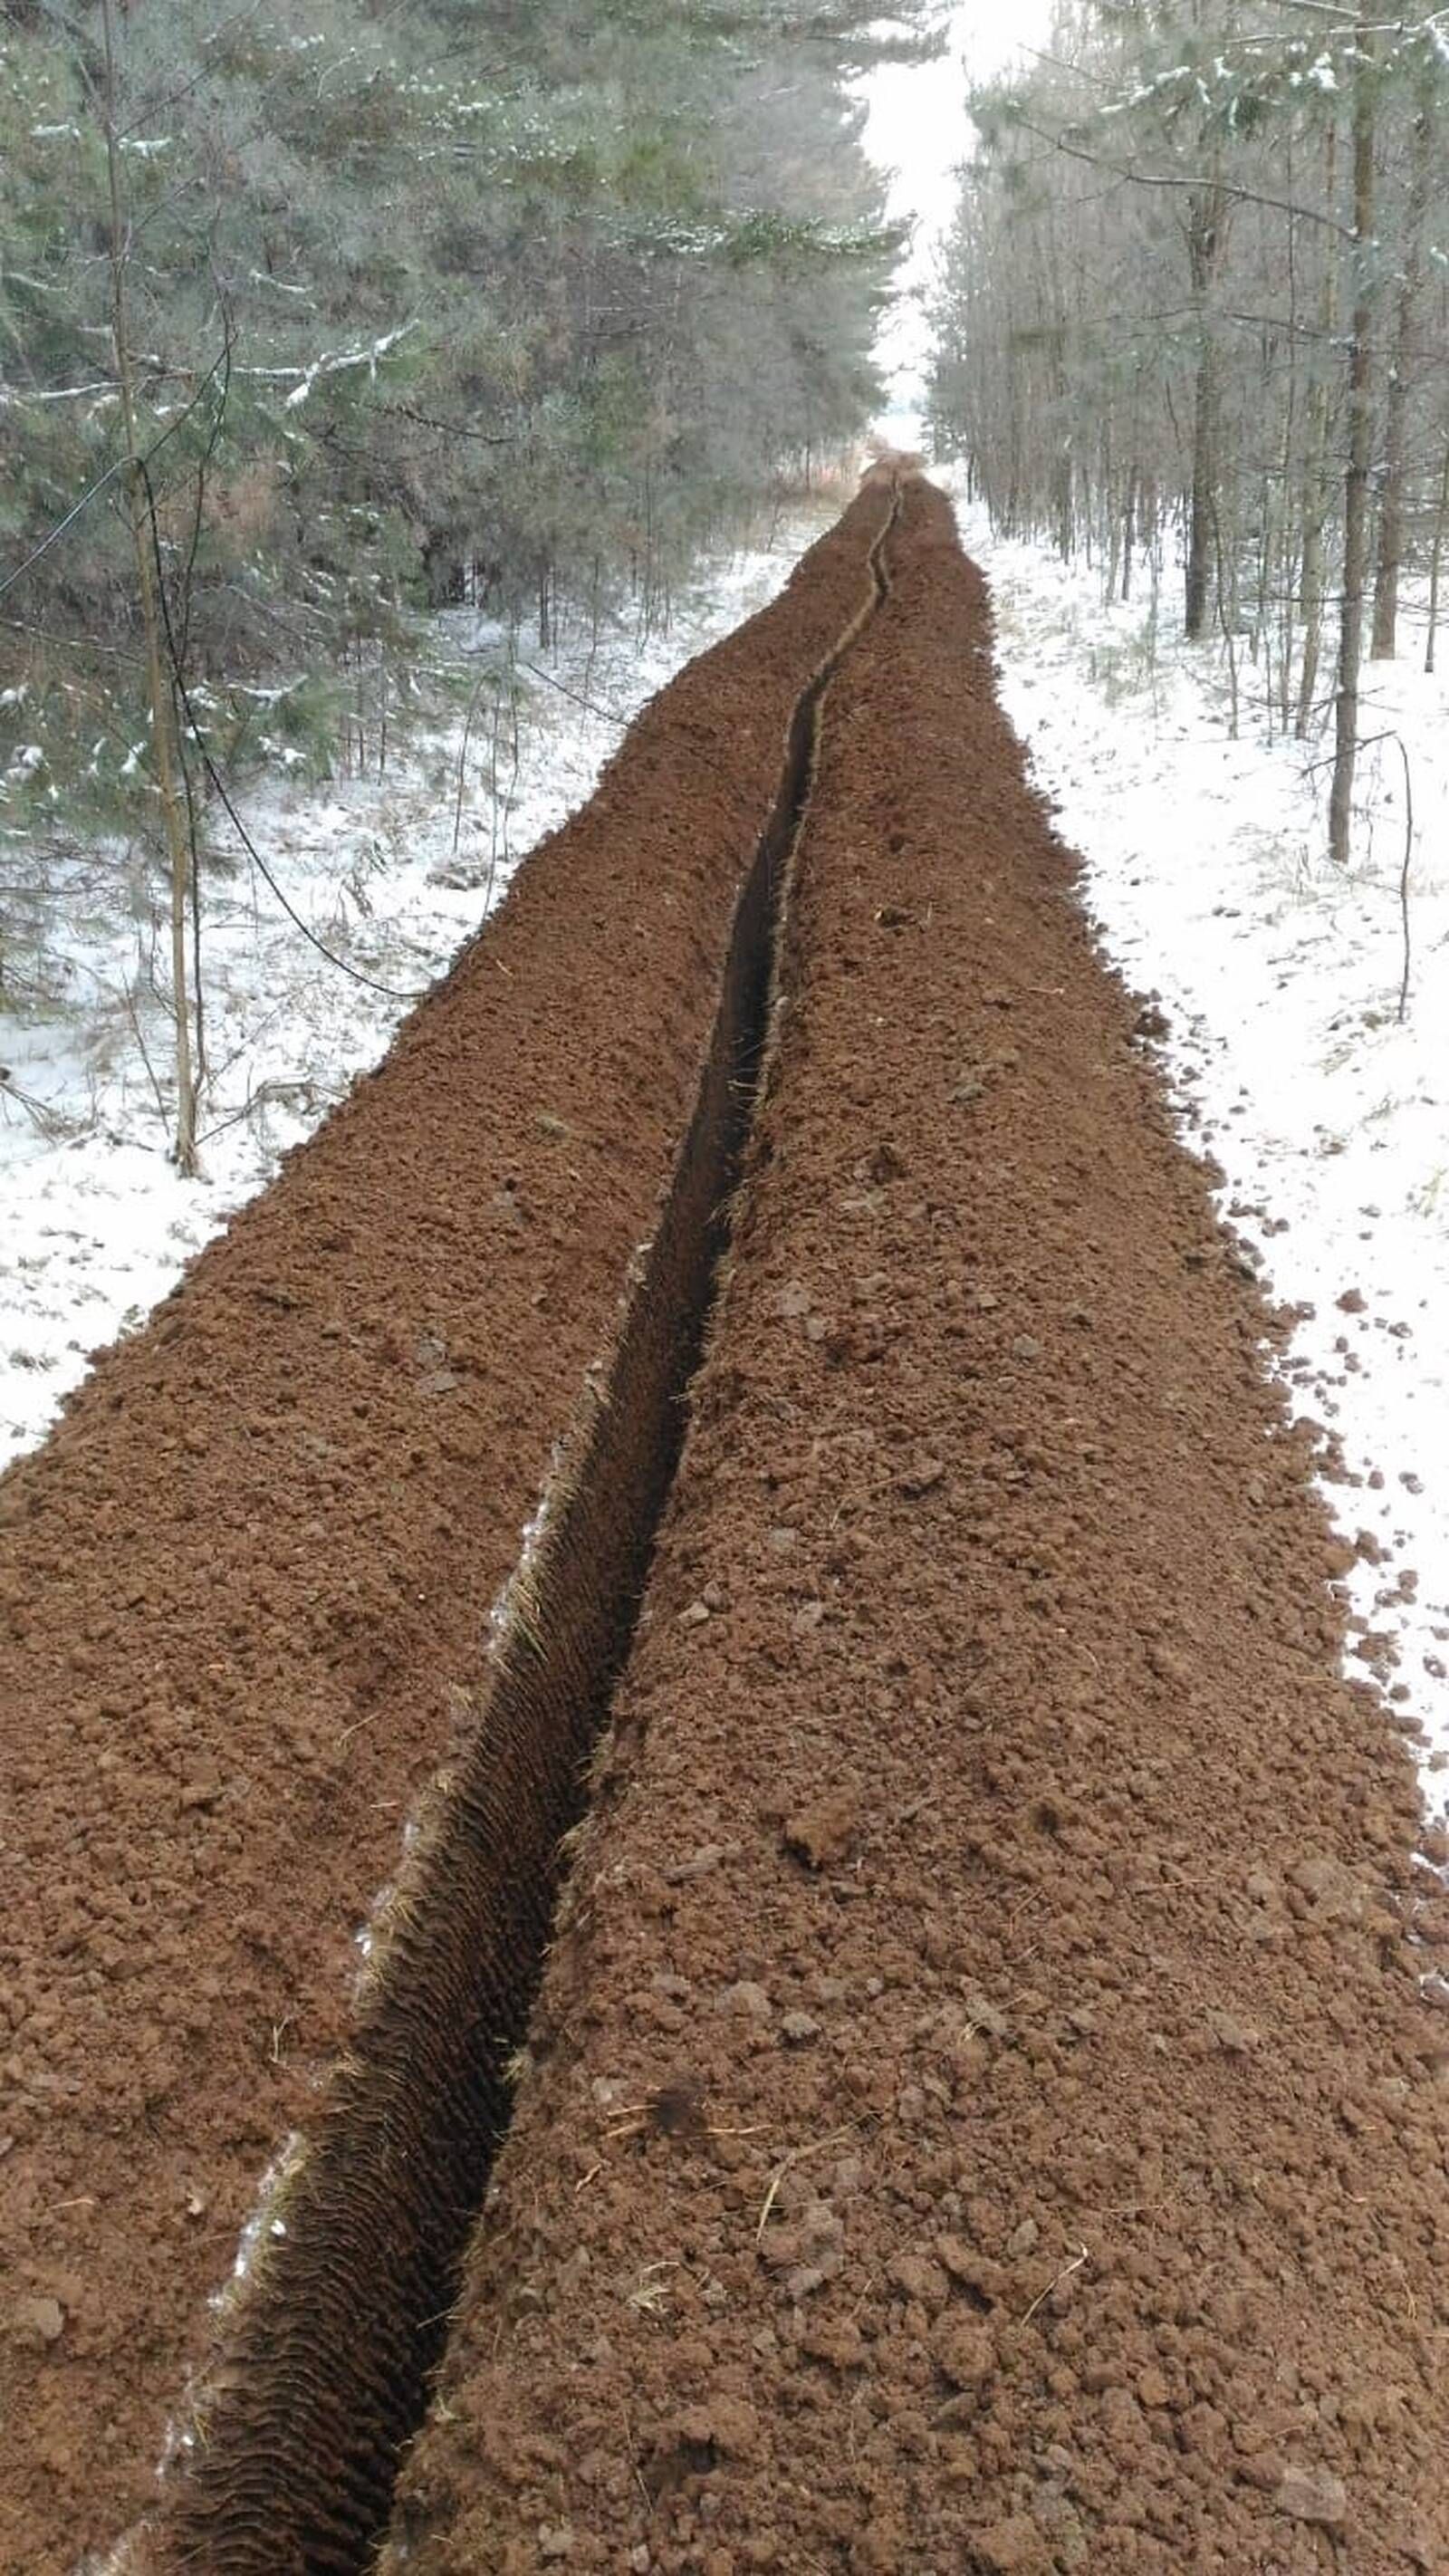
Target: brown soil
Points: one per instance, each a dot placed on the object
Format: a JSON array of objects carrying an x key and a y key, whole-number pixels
[
  {"x": 245, "y": 1588},
  {"x": 322, "y": 2379},
  {"x": 983, "y": 2110}
]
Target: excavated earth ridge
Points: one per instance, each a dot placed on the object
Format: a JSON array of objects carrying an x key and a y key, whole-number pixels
[
  {"x": 986, "y": 2105},
  {"x": 313, "y": 2395},
  {"x": 245, "y": 1589}
]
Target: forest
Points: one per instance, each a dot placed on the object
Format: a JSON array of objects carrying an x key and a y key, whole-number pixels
[
  {"x": 1195, "y": 300},
  {"x": 314, "y": 318}
]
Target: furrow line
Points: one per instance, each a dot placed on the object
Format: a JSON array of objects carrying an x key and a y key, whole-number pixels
[{"x": 302, "y": 2418}]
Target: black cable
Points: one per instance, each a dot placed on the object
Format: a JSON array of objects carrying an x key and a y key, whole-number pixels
[
  {"x": 390, "y": 992},
  {"x": 109, "y": 476},
  {"x": 589, "y": 705}
]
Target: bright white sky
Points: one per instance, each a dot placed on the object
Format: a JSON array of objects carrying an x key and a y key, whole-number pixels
[{"x": 917, "y": 130}]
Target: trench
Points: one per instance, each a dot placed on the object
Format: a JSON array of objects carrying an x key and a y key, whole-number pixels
[{"x": 301, "y": 2420}]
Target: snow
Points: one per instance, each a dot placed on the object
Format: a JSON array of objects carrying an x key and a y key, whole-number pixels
[
  {"x": 337, "y": 362},
  {"x": 1209, "y": 887},
  {"x": 95, "y": 1222}
]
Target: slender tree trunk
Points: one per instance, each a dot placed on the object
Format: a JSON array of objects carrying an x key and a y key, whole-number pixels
[
  {"x": 1011, "y": 521},
  {"x": 1396, "y": 410},
  {"x": 1315, "y": 468},
  {"x": 1436, "y": 559},
  {"x": 1285, "y": 578},
  {"x": 1360, "y": 455},
  {"x": 157, "y": 683},
  {"x": 1063, "y": 425},
  {"x": 1200, "y": 499},
  {"x": 1228, "y": 617},
  {"x": 1283, "y": 567},
  {"x": 1207, "y": 220}
]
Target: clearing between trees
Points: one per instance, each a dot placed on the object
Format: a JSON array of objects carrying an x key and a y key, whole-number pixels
[{"x": 984, "y": 2106}]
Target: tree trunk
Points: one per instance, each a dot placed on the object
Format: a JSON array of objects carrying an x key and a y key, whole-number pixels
[
  {"x": 1396, "y": 412},
  {"x": 157, "y": 683},
  {"x": 1436, "y": 559},
  {"x": 1200, "y": 500},
  {"x": 1360, "y": 455},
  {"x": 1207, "y": 224},
  {"x": 1315, "y": 469}
]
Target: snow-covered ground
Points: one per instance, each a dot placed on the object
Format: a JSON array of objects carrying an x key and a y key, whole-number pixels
[
  {"x": 1279, "y": 978},
  {"x": 392, "y": 874}
]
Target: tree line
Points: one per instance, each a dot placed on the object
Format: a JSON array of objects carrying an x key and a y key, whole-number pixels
[
  {"x": 315, "y": 314},
  {"x": 1194, "y": 297}
]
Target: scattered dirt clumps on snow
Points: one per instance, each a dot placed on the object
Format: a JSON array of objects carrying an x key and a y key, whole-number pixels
[
  {"x": 245, "y": 1588},
  {"x": 998, "y": 1881}
]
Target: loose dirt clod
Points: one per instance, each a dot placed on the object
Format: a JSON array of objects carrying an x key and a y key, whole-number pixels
[{"x": 824, "y": 1833}]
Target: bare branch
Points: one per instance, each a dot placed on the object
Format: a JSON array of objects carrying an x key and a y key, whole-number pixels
[{"x": 1191, "y": 182}]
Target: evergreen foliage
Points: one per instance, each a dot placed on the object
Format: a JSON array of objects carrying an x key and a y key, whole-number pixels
[{"x": 425, "y": 299}]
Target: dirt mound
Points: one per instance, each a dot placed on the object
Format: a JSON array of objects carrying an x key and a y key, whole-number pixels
[
  {"x": 245, "y": 1589},
  {"x": 312, "y": 2398},
  {"x": 986, "y": 2108}
]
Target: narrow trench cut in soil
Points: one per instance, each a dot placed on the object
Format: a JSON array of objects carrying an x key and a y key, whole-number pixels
[
  {"x": 246, "y": 1586},
  {"x": 299, "y": 2426},
  {"x": 983, "y": 2110}
]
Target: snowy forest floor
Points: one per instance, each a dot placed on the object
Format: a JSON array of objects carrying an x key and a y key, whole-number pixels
[
  {"x": 391, "y": 873},
  {"x": 1278, "y": 980}
]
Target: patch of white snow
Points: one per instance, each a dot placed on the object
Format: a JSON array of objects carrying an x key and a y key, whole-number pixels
[{"x": 1208, "y": 883}]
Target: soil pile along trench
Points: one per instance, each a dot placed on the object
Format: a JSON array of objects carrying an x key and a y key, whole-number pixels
[
  {"x": 306, "y": 2413},
  {"x": 245, "y": 1588},
  {"x": 986, "y": 2102}
]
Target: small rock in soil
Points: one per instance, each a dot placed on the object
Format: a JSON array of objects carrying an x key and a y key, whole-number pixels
[
  {"x": 1237, "y": 2038},
  {"x": 36, "y": 2321},
  {"x": 791, "y": 1301},
  {"x": 748, "y": 1998},
  {"x": 1312, "y": 2495}
]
